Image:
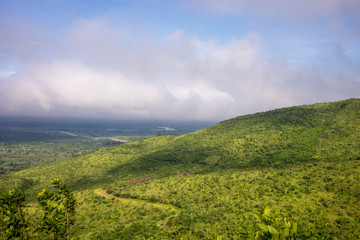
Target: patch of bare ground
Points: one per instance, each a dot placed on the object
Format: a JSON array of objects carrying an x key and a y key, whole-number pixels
[
  {"x": 183, "y": 174},
  {"x": 166, "y": 226},
  {"x": 140, "y": 180},
  {"x": 146, "y": 179}
]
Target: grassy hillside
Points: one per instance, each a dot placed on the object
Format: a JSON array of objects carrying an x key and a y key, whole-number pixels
[{"x": 303, "y": 162}]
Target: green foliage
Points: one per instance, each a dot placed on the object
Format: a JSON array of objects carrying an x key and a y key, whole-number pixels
[
  {"x": 302, "y": 162},
  {"x": 272, "y": 227},
  {"x": 322, "y": 198},
  {"x": 324, "y": 132},
  {"x": 59, "y": 209},
  {"x": 59, "y": 213},
  {"x": 20, "y": 155},
  {"x": 29, "y": 142},
  {"x": 13, "y": 223}
]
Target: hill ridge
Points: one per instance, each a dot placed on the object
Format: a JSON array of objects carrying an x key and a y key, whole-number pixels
[
  {"x": 281, "y": 136},
  {"x": 301, "y": 164}
]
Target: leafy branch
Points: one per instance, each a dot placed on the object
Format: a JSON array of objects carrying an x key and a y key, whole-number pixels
[{"x": 58, "y": 207}]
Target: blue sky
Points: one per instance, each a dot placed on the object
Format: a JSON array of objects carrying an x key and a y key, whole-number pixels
[{"x": 172, "y": 59}]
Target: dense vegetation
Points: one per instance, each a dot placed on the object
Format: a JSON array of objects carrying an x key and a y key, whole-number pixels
[
  {"x": 291, "y": 171},
  {"x": 16, "y": 156},
  {"x": 58, "y": 210},
  {"x": 30, "y": 142}
]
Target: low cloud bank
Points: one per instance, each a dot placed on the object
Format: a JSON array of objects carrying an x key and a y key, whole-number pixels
[{"x": 95, "y": 70}]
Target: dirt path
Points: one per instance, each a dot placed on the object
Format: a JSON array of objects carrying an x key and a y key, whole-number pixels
[
  {"x": 103, "y": 193},
  {"x": 160, "y": 205},
  {"x": 155, "y": 204}
]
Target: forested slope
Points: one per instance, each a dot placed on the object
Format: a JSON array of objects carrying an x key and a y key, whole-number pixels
[
  {"x": 303, "y": 162},
  {"x": 329, "y": 131}
]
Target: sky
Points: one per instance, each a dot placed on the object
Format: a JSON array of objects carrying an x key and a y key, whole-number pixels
[{"x": 175, "y": 59}]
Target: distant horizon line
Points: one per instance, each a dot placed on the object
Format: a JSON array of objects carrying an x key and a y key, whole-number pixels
[
  {"x": 153, "y": 119},
  {"x": 100, "y": 118}
]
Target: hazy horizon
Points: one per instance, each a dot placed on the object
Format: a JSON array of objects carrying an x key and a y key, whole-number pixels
[{"x": 175, "y": 60}]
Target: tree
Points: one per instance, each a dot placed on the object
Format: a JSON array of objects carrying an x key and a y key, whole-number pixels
[
  {"x": 59, "y": 213},
  {"x": 13, "y": 220},
  {"x": 59, "y": 209}
]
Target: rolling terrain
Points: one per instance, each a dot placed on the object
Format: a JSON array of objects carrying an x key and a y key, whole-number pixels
[
  {"x": 294, "y": 170},
  {"x": 26, "y": 142}
]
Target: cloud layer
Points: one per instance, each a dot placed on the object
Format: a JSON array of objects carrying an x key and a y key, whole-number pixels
[
  {"x": 95, "y": 69},
  {"x": 305, "y": 9}
]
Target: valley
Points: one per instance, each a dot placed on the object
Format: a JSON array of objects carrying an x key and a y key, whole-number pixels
[{"x": 29, "y": 142}]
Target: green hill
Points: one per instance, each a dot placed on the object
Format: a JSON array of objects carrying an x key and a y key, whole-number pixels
[{"x": 303, "y": 162}]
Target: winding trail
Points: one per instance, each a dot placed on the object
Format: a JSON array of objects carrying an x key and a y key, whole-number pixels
[
  {"x": 155, "y": 204},
  {"x": 160, "y": 205}
]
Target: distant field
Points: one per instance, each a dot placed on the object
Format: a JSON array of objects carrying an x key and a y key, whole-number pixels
[{"x": 28, "y": 142}]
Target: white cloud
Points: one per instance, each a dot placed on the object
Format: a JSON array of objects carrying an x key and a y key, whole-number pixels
[
  {"x": 98, "y": 70},
  {"x": 6, "y": 74},
  {"x": 302, "y": 9}
]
